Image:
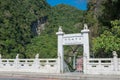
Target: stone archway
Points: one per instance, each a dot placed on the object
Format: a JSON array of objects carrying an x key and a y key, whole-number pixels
[{"x": 73, "y": 39}]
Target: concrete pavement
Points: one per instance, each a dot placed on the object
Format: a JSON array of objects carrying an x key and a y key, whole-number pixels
[{"x": 65, "y": 76}]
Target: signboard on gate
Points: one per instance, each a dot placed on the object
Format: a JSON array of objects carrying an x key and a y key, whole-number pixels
[{"x": 72, "y": 39}]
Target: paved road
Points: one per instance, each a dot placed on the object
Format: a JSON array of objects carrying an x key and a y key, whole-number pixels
[
  {"x": 28, "y": 79},
  {"x": 65, "y": 76}
]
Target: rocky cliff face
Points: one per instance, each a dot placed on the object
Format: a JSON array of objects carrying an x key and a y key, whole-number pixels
[{"x": 39, "y": 25}]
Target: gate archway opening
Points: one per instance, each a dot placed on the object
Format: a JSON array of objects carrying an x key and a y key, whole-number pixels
[{"x": 72, "y": 57}]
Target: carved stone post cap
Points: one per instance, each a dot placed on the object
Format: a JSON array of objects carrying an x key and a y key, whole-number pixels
[
  {"x": 17, "y": 56},
  {"x": 85, "y": 26},
  {"x": 85, "y": 30},
  {"x": 0, "y": 56},
  {"x": 114, "y": 53},
  {"x": 37, "y": 56},
  {"x": 60, "y": 29},
  {"x": 60, "y": 32}
]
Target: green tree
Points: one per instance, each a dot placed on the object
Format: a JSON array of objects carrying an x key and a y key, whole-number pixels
[
  {"x": 61, "y": 15},
  {"x": 44, "y": 45},
  {"x": 92, "y": 16},
  {"x": 108, "y": 41},
  {"x": 16, "y": 17},
  {"x": 100, "y": 13},
  {"x": 110, "y": 12}
]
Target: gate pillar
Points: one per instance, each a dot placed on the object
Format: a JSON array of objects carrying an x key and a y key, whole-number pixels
[
  {"x": 60, "y": 52},
  {"x": 86, "y": 48}
]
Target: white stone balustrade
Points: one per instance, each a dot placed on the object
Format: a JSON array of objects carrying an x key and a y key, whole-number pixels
[
  {"x": 90, "y": 65},
  {"x": 30, "y": 65},
  {"x": 103, "y": 65}
]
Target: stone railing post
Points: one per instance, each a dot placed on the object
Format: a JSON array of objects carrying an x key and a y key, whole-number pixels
[
  {"x": 36, "y": 61},
  {"x": 115, "y": 61},
  {"x": 17, "y": 61},
  {"x": 0, "y": 60}
]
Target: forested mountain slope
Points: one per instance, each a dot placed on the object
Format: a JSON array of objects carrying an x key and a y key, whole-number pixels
[
  {"x": 71, "y": 20},
  {"x": 17, "y": 17},
  {"x": 28, "y": 27}
]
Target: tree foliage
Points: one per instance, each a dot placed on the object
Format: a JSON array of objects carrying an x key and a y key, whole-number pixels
[
  {"x": 103, "y": 17},
  {"x": 66, "y": 16},
  {"x": 16, "y": 17},
  {"x": 44, "y": 45},
  {"x": 110, "y": 12},
  {"x": 108, "y": 41}
]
